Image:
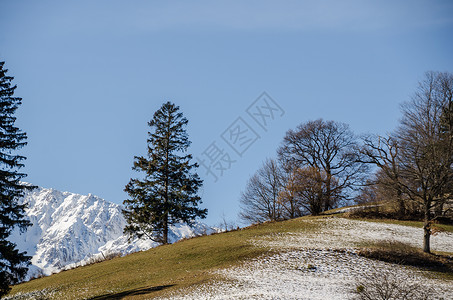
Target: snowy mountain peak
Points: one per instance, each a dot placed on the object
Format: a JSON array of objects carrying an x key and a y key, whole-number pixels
[{"x": 70, "y": 229}]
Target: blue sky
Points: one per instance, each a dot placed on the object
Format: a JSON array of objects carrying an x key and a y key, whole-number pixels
[{"x": 92, "y": 73}]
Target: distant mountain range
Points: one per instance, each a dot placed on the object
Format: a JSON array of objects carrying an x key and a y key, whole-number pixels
[{"x": 70, "y": 229}]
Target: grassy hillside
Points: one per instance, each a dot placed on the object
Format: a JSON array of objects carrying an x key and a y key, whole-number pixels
[
  {"x": 187, "y": 263},
  {"x": 162, "y": 269}
]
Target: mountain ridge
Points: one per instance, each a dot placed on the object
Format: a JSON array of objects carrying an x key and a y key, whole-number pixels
[{"x": 70, "y": 229}]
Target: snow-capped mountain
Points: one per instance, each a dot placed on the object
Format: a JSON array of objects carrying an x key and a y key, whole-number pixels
[{"x": 71, "y": 229}]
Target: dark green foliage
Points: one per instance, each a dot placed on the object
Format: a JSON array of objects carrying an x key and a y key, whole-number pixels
[
  {"x": 168, "y": 193},
  {"x": 13, "y": 264}
]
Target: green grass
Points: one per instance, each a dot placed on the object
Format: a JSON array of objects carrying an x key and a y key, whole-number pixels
[
  {"x": 185, "y": 264},
  {"x": 162, "y": 269}
]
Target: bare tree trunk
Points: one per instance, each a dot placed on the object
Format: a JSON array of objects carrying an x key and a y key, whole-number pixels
[
  {"x": 426, "y": 237},
  {"x": 320, "y": 199},
  {"x": 167, "y": 175},
  {"x": 426, "y": 228},
  {"x": 401, "y": 205},
  {"x": 328, "y": 195},
  {"x": 165, "y": 233}
]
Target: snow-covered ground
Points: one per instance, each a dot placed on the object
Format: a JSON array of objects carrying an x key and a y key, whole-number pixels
[
  {"x": 322, "y": 264},
  {"x": 341, "y": 233}
]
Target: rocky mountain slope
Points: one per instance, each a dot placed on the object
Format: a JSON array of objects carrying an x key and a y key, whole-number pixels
[{"x": 70, "y": 229}]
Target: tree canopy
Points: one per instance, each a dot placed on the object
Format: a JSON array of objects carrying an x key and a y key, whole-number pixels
[
  {"x": 168, "y": 192},
  {"x": 13, "y": 264}
]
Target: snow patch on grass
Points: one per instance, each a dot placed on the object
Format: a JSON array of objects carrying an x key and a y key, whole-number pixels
[
  {"x": 306, "y": 274},
  {"x": 340, "y": 233},
  {"x": 322, "y": 264}
]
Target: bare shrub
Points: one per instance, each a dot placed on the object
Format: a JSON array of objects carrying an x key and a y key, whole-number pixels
[
  {"x": 39, "y": 273},
  {"x": 388, "y": 285},
  {"x": 226, "y": 225},
  {"x": 382, "y": 211},
  {"x": 103, "y": 257}
]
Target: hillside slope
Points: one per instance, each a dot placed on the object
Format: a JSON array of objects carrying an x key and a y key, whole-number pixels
[
  {"x": 306, "y": 258},
  {"x": 323, "y": 264}
]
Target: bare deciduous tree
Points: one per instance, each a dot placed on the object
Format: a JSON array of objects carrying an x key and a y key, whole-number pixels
[
  {"x": 305, "y": 191},
  {"x": 289, "y": 197},
  {"x": 425, "y": 136},
  {"x": 384, "y": 152},
  {"x": 330, "y": 148},
  {"x": 260, "y": 200}
]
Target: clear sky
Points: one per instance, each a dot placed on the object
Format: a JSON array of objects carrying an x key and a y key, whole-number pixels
[{"x": 92, "y": 73}]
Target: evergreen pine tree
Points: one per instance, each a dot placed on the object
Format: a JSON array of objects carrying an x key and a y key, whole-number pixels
[
  {"x": 13, "y": 264},
  {"x": 168, "y": 192}
]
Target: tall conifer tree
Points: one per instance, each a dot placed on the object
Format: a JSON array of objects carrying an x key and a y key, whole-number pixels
[
  {"x": 168, "y": 192},
  {"x": 13, "y": 264}
]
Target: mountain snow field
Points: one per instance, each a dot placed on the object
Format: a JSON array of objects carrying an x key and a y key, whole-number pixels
[{"x": 70, "y": 229}]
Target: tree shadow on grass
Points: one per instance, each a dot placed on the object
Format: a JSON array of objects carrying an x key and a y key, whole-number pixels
[
  {"x": 133, "y": 292},
  {"x": 410, "y": 257}
]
